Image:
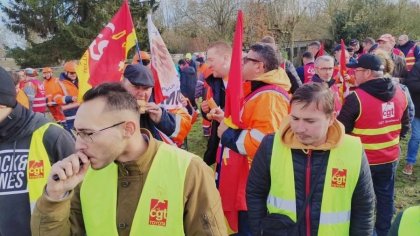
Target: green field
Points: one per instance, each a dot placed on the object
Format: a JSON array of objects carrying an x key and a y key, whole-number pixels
[{"x": 407, "y": 187}]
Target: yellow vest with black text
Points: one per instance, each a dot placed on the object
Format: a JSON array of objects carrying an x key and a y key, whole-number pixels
[
  {"x": 341, "y": 177},
  {"x": 38, "y": 166},
  {"x": 160, "y": 209},
  {"x": 410, "y": 222}
]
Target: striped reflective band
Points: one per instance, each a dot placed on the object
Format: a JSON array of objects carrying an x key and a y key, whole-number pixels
[
  {"x": 240, "y": 143},
  {"x": 257, "y": 135},
  {"x": 287, "y": 205},
  {"x": 178, "y": 119},
  {"x": 334, "y": 217},
  {"x": 378, "y": 146},
  {"x": 379, "y": 131}
]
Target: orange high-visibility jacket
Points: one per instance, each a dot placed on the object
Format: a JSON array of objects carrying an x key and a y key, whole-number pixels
[{"x": 182, "y": 125}]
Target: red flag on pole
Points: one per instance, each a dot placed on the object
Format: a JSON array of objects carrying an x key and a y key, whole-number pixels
[
  {"x": 321, "y": 51},
  {"x": 104, "y": 60},
  {"x": 343, "y": 67},
  {"x": 234, "y": 91}
]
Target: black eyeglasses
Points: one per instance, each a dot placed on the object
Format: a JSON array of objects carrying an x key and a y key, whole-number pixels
[
  {"x": 145, "y": 62},
  {"x": 246, "y": 59},
  {"x": 87, "y": 136}
]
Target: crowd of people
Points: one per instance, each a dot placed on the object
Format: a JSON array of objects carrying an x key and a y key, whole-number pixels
[{"x": 316, "y": 152}]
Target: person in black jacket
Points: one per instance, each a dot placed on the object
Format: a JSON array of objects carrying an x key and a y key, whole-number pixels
[
  {"x": 296, "y": 168},
  {"x": 413, "y": 85},
  {"x": 29, "y": 144},
  {"x": 188, "y": 81},
  {"x": 218, "y": 59}
]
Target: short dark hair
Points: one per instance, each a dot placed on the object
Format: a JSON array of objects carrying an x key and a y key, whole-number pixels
[
  {"x": 116, "y": 96},
  {"x": 268, "y": 39},
  {"x": 307, "y": 55},
  {"x": 267, "y": 55},
  {"x": 182, "y": 62},
  {"x": 317, "y": 93},
  {"x": 369, "y": 40}
]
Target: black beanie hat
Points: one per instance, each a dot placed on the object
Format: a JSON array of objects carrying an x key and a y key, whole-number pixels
[{"x": 7, "y": 89}]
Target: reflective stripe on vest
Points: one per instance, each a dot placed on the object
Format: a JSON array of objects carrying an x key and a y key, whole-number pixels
[
  {"x": 160, "y": 209},
  {"x": 410, "y": 58},
  {"x": 341, "y": 177},
  {"x": 39, "y": 166},
  {"x": 409, "y": 224},
  {"x": 379, "y": 125}
]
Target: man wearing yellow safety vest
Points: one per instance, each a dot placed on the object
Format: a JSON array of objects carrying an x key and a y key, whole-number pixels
[
  {"x": 377, "y": 112},
  {"x": 28, "y": 144},
  {"x": 132, "y": 183},
  {"x": 406, "y": 222},
  {"x": 310, "y": 178}
]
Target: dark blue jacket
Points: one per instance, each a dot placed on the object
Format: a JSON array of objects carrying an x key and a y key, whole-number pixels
[
  {"x": 219, "y": 94},
  {"x": 259, "y": 182},
  {"x": 188, "y": 82},
  {"x": 407, "y": 46}
]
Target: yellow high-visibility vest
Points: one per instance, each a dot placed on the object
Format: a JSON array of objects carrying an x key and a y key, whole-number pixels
[
  {"x": 341, "y": 177},
  {"x": 38, "y": 166},
  {"x": 160, "y": 210},
  {"x": 410, "y": 222}
]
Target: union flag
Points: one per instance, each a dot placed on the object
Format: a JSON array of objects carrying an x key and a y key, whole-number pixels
[{"x": 104, "y": 60}]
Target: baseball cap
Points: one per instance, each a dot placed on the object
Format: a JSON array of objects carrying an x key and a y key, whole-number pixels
[
  {"x": 386, "y": 38},
  {"x": 7, "y": 89},
  {"x": 368, "y": 61},
  {"x": 353, "y": 42},
  {"x": 30, "y": 72},
  {"x": 139, "y": 75}
]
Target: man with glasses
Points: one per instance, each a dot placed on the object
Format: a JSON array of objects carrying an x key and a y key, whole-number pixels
[
  {"x": 144, "y": 58},
  {"x": 122, "y": 181},
  {"x": 264, "y": 109},
  {"x": 29, "y": 144},
  {"x": 324, "y": 69},
  {"x": 377, "y": 113}
]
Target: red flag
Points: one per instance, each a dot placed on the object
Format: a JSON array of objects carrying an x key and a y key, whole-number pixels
[
  {"x": 321, "y": 51},
  {"x": 104, "y": 60},
  {"x": 234, "y": 91},
  {"x": 343, "y": 67}
]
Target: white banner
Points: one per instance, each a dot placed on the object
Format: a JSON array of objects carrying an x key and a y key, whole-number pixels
[{"x": 165, "y": 68}]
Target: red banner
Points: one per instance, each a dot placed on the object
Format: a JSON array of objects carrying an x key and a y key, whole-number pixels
[
  {"x": 104, "y": 60},
  {"x": 234, "y": 91}
]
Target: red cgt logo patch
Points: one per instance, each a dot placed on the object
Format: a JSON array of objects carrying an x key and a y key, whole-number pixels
[
  {"x": 338, "y": 179},
  {"x": 158, "y": 212},
  {"x": 36, "y": 169}
]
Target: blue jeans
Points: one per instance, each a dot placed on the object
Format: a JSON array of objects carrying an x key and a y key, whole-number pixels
[
  {"x": 383, "y": 177},
  {"x": 413, "y": 144}
]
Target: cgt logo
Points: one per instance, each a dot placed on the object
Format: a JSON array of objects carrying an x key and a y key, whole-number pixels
[
  {"x": 158, "y": 212},
  {"x": 36, "y": 169},
  {"x": 338, "y": 179},
  {"x": 388, "y": 110}
]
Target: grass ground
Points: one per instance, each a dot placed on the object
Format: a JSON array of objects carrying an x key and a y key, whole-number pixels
[{"x": 407, "y": 188}]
